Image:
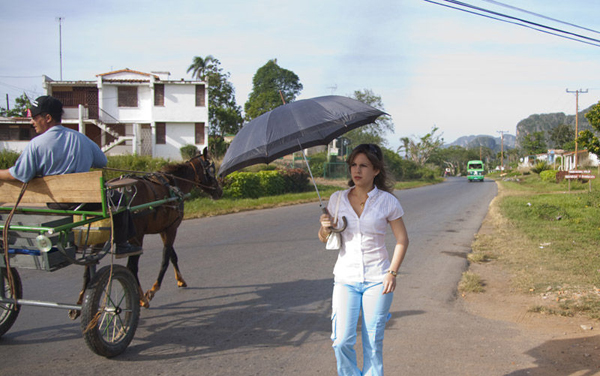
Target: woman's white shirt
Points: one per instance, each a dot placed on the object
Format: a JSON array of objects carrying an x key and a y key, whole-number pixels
[{"x": 363, "y": 256}]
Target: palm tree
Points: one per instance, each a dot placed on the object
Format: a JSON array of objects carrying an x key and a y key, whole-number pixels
[{"x": 200, "y": 66}]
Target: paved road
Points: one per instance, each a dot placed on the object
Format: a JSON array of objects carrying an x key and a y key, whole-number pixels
[{"x": 258, "y": 301}]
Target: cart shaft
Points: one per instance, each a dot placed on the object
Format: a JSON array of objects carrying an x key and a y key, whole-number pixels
[{"x": 38, "y": 303}]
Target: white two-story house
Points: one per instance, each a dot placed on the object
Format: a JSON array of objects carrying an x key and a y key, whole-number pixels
[{"x": 127, "y": 112}]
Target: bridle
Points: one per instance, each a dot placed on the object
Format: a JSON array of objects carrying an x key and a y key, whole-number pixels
[{"x": 209, "y": 172}]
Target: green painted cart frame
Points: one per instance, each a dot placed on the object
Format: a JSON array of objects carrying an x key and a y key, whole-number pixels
[{"x": 49, "y": 239}]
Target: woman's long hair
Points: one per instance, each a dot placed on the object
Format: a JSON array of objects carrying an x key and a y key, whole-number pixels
[{"x": 375, "y": 156}]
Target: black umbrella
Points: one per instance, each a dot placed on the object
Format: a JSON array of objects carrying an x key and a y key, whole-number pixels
[{"x": 293, "y": 127}]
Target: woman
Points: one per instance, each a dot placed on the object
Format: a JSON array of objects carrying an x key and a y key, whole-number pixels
[{"x": 365, "y": 278}]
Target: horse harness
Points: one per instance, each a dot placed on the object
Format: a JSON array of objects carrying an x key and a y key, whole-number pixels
[{"x": 174, "y": 191}]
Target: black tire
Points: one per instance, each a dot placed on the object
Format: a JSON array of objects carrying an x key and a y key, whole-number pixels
[
  {"x": 110, "y": 311},
  {"x": 8, "y": 311}
]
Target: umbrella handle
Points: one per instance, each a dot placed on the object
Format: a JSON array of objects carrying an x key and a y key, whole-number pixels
[{"x": 333, "y": 229}]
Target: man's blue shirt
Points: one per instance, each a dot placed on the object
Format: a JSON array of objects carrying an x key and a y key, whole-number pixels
[{"x": 57, "y": 151}]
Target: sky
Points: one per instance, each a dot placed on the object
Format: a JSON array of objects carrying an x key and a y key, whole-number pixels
[{"x": 431, "y": 65}]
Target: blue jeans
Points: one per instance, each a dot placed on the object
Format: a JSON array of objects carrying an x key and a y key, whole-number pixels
[{"x": 349, "y": 301}]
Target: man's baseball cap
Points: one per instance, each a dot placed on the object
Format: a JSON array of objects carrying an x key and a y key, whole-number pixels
[{"x": 45, "y": 104}]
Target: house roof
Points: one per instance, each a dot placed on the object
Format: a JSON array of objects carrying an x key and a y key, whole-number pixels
[
  {"x": 127, "y": 75},
  {"x": 127, "y": 70},
  {"x": 14, "y": 120}
]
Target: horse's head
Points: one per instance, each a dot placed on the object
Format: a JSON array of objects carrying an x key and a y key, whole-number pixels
[{"x": 205, "y": 177}]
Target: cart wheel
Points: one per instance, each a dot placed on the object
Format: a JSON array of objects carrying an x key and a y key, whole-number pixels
[
  {"x": 8, "y": 311},
  {"x": 110, "y": 311}
]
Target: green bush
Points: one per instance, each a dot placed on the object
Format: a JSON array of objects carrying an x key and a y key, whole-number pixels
[
  {"x": 427, "y": 173},
  {"x": 137, "y": 163},
  {"x": 548, "y": 176},
  {"x": 401, "y": 169},
  {"x": 316, "y": 163},
  {"x": 271, "y": 183},
  {"x": 242, "y": 185},
  {"x": 265, "y": 183},
  {"x": 540, "y": 166},
  {"x": 295, "y": 180},
  {"x": 8, "y": 158},
  {"x": 189, "y": 151}
]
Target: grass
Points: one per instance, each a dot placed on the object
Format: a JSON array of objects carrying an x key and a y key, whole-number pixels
[
  {"x": 548, "y": 238},
  {"x": 470, "y": 282},
  {"x": 205, "y": 207}
]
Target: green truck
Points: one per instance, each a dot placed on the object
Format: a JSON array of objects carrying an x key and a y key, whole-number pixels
[{"x": 475, "y": 171}]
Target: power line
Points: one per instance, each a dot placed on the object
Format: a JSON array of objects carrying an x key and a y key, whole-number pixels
[
  {"x": 540, "y": 15},
  {"x": 517, "y": 23},
  {"x": 520, "y": 19}
]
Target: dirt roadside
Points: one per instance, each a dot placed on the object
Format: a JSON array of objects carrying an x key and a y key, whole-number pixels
[{"x": 571, "y": 345}]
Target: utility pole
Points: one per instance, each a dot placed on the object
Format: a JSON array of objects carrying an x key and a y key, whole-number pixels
[
  {"x": 577, "y": 118},
  {"x": 502, "y": 149},
  {"x": 60, "y": 20}
]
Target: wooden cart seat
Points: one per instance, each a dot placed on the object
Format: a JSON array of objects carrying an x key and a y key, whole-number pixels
[{"x": 69, "y": 188}]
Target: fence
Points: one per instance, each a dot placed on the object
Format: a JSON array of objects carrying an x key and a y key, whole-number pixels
[{"x": 335, "y": 170}]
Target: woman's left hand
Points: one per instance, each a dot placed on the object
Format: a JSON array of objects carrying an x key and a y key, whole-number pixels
[{"x": 389, "y": 283}]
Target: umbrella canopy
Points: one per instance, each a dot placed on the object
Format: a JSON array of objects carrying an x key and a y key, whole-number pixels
[{"x": 293, "y": 127}]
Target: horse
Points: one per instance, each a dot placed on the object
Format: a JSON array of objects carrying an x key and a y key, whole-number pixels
[
  {"x": 175, "y": 180},
  {"x": 172, "y": 180}
]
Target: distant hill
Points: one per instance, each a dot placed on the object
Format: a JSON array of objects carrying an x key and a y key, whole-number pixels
[
  {"x": 534, "y": 123},
  {"x": 546, "y": 122},
  {"x": 494, "y": 143}
]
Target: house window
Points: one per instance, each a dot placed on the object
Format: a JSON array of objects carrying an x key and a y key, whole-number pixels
[
  {"x": 66, "y": 97},
  {"x": 199, "y": 132},
  {"x": 128, "y": 96},
  {"x": 200, "y": 102},
  {"x": 159, "y": 95},
  {"x": 161, "y": 133}
]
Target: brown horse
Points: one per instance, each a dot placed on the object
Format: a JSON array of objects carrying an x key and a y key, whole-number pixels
[{"x": 172, "y": 181}]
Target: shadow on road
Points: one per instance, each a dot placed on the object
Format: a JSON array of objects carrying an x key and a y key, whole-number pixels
[
  {"x": 574, "y": 356},
  {"x": 236, "y": 317}
]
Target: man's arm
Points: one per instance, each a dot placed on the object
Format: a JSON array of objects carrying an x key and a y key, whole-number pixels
[{"x": 6, "y": 175}]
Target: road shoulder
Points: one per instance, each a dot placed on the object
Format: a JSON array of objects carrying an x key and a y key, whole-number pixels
[{"x": 569, "y": 345}]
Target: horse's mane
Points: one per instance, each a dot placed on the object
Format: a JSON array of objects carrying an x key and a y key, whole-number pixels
[{"x": 175, "y": 168}]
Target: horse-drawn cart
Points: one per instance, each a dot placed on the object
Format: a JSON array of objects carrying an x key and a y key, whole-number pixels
[{"x": 43, "y": 237}]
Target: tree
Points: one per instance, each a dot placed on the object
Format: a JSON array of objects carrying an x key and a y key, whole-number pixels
[
  {"x": 200, "y": 66},
  {"x": 224, "y": 115},
  {"x": 456, "y": 157},
  {"x": 271, "y": 87},
  {"x": 587, "y": 138},
  {"x": 562, "y": 135},
  {"x": 372, "y": 133},
  {"x": 22, "y": 103},
  {"x": 420, "y": 149},
  {"x": 534, "y": 143}
]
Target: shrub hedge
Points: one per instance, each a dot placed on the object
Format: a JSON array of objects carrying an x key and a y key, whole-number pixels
[
  {"x": 548, "y": 176},
  {"x": 8, "y": 158},
  {"x": 264, "y": 183}
]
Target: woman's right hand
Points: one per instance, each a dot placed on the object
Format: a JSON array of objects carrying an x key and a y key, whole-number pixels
[
  {"x": 326, "y": 221},
  {"x": 325, "y": 229}
]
